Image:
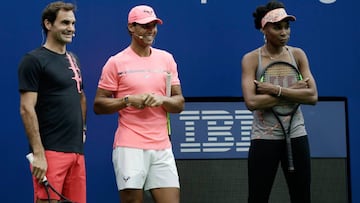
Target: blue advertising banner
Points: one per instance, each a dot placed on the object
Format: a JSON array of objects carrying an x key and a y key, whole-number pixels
[{"x": 220, "y": 128}]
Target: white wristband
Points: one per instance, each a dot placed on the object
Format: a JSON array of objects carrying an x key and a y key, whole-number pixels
[{"x": 279, "y": 93}]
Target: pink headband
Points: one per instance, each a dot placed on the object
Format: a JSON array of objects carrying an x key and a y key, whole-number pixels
[{"x": 276, "y": 15}]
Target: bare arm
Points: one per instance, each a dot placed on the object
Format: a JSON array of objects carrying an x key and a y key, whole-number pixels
[
  {"x": 83, "y": 110},
  {"x": 27, "y": 111},
  {"x": 83, "y": 106},
  {"x": 259, "y": 95},
  {"x": 253, "y": 100},
  {"x": 105, "y": 103},
  {"x": 308, "y": 95}
]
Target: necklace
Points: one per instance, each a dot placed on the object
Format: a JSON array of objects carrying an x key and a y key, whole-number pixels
[{"x": 273, "y": 57}]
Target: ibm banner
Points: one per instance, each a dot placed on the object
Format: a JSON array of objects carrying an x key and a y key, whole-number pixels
[{"x": 220, "y": 128}]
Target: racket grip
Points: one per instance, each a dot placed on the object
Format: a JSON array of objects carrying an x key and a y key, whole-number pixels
[
  {"x": 168, "y": 84},
  {"x": 291, "y": 167},
  {"x": 30, "y": 158}
]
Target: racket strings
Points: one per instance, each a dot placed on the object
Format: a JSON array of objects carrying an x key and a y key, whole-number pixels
[
  {"x": 281, "y": 75},
  {"x": 284, "y": 75}
]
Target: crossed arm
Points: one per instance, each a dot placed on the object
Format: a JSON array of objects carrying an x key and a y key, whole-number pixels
[{"x": 258, "y": 95}]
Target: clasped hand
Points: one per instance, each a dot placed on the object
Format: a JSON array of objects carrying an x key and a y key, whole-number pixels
[{"x": 147, "y": 100}]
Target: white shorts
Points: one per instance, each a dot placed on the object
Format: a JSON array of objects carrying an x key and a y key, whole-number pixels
[{"x": 144, "y": 169}]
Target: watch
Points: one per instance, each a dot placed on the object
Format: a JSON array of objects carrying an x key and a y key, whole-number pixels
[{"x": 126, "y": 100}]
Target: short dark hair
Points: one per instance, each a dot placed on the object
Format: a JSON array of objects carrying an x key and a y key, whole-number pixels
[
  {"x": 262, "y": 10},
  {"x": 51, "y": 11}
]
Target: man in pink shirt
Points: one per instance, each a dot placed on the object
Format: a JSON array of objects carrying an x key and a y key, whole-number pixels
[{"x": 141, "y": 84}]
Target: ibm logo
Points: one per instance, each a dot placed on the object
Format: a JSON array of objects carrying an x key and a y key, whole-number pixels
[{"x": 215, "y": 131}]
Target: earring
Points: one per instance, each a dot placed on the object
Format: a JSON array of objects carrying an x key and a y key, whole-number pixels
[{"x": 265, "y": 40}]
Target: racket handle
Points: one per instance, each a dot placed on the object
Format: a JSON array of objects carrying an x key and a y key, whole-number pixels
[
  {"x": 30, "y": 158},
  {"x": 168, "y": 93},
  {"x": 291, "y": 167}
]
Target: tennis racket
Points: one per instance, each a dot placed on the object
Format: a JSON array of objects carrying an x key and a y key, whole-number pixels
[
  {"x": 47, "y": 185},
  {"x": 168, "y": 93},
  {"x": 283, "y": 74}
]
